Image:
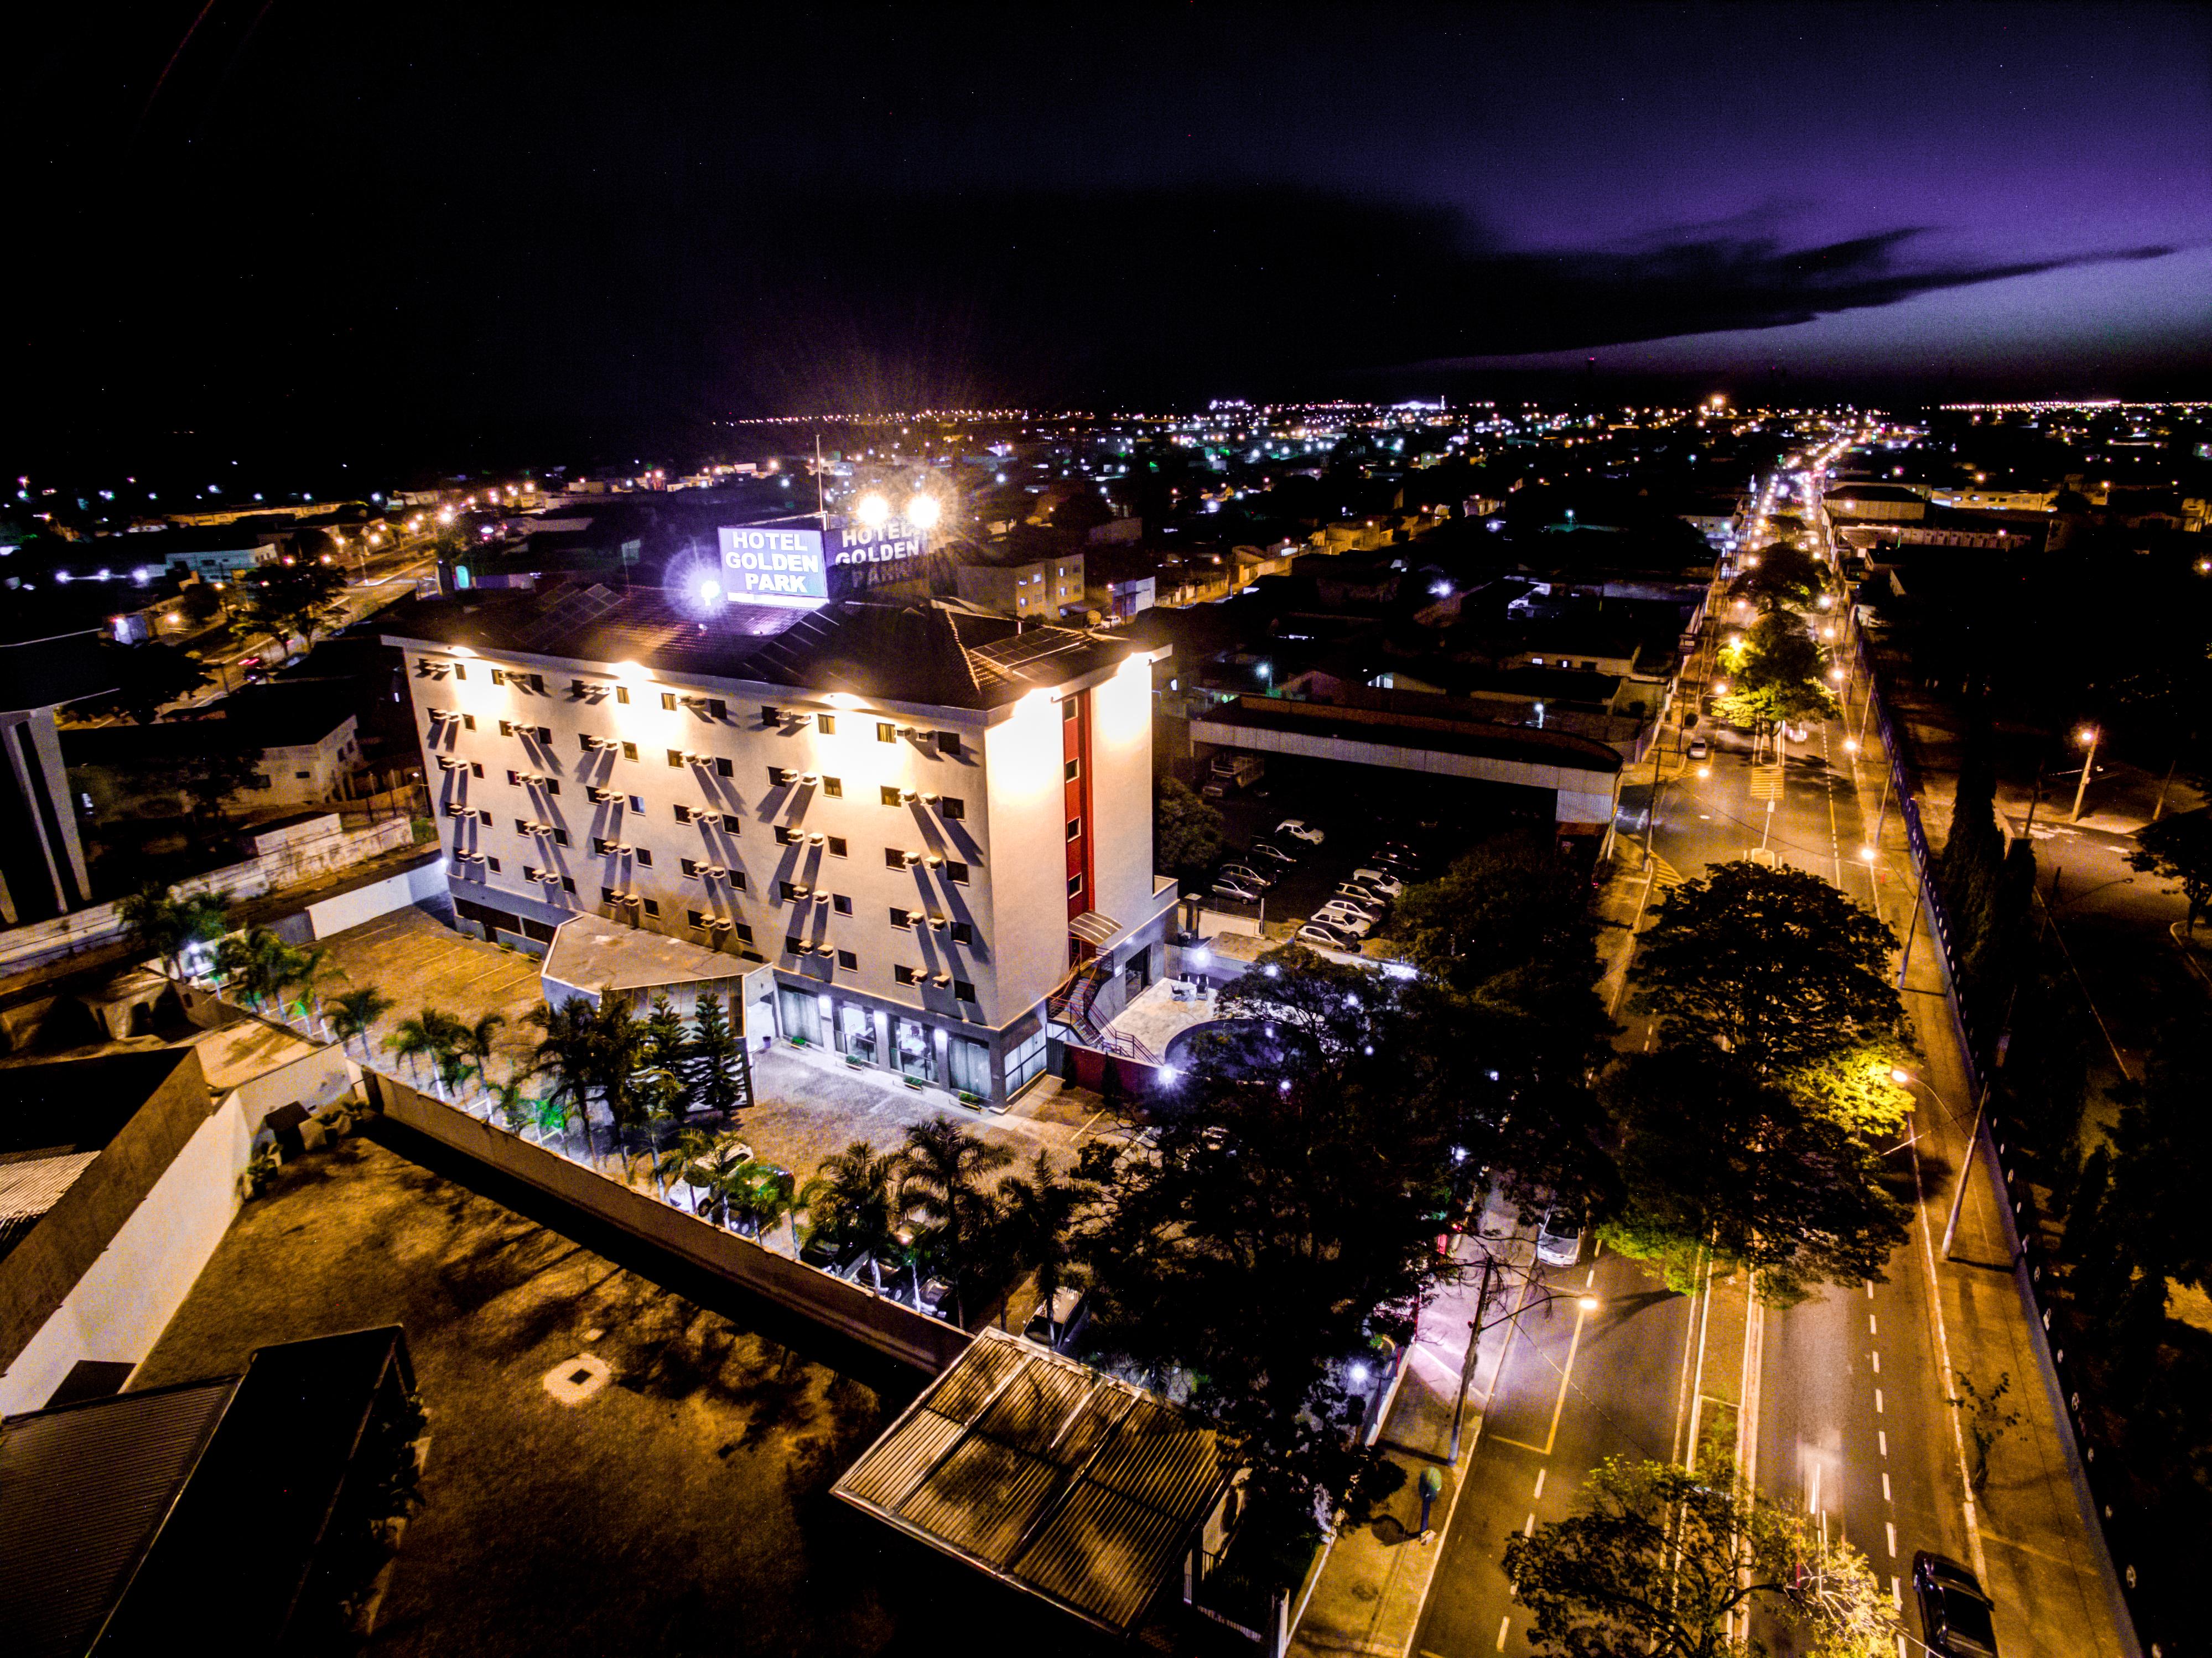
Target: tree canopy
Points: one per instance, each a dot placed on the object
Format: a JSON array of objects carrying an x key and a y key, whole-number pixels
[
  {"x": 1784, "y": 577},
  {"x": 2180, "y": 848},
  {"x": 1713, "y": 1156},
  {"x": 1187, "y": 834},
  {"x": 1658, "y": 1559},
  {"x": 1773, "y": 964},
  {"x": 148, "y": 676},
  {"x": 1777, "y": 672}
]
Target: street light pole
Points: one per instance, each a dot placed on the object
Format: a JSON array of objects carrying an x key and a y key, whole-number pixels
[
  {"x": 2091, "y": 736},
  {"x": 1965, "y": 1173},
  {"x": 1473, "y": 1346}
]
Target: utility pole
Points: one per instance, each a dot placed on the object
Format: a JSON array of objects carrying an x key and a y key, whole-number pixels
[
  {"x": 2089, "y": 764},
  {"x": 1965, "y": 1172},
  {"x": 1473, "y": 1346}
]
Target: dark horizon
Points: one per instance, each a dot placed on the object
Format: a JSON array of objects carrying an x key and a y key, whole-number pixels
[{"x": 420, "y": 241}]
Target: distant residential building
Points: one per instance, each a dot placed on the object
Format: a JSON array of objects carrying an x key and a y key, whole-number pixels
[
  {"x": 307, "y": 746},
  {"x": 42, "y": 868},
  {"x": 1995, "y": 501},
  {"x": 1886, "y": 503},
  {"x": 1010, "y": 584},
  {"x": 215, "y": 553}
]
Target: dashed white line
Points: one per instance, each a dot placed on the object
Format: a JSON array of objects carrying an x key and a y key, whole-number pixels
[
  {"x": 1890, "y": 1526},
  {"x": 1540, "y": 1472},
  {"x": 1869, "y": 1285},
  {"x": 1503, "y": 1624},
  {"x": 1528, "y": 1526},
  {"x": 1872, "y": 1328},
  {"x": 1884, "y": 1486},
  {"x": 1877, "y": 1363},
  {"x": 1896, "y": 1594},
  {"x": 1877, "y": 1401},
  {"x": 1884, "y": 1438}
]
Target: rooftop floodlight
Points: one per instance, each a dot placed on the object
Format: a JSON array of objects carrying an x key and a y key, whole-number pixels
[
  {"x": 873, "y": 509},
  {"x": 923, "y": 512}
]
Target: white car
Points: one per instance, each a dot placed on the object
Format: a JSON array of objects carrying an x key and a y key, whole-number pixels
[
  {"x": 1376, "y": 880},
  {"x": 1558, "y": 1239},
  {"x": 1359, "y": 898},
  {"x": 1328, "y": 938},
  {"x": 1303, "y": 830},
  {"x": 1237, "y": 890}
]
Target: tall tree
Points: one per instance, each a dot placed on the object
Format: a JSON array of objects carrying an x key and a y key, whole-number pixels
[
  {"x": 160, "y": 920},
  {"x": 1777, "y": 673},
  {"x": 1713, "y": 1157},
  {"x": 666, "y": 1049},
  {"x": 566, "y": 1057},
  {"x": 1775, "y": 965},
  {"x": 852, "y": 1203},
  {"x": 716, "y": 1072},
  {"x": 1038, "y": 1214},
  {"x": 1658, "y": 1559},
  {"x": 1188, "y": 832},
  {"x": 355, "y": 1013},
  {"x": 147, "y": 677},
  {"x": 298, "y": 595},
  {"x": 2180, "y": 848},
  {"x": 943, "y": 1166}
]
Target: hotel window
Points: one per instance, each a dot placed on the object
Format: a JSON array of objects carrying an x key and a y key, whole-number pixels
[
  {"x": 948, "y": 744},
  {"x": 468, "y": 722},
  {"x": 1075, "y": 829},
  {"x": 953, "y": 808},
  {"x": 841, "y": 904},
  {"x": 521, "y": 826},
  {"x": 775, "y": 777},
  {"x": 736, "y": 880},
  {"x": 653, "y": 907},
  {"x": 963, "y": 933},
  {"x": 506, "y": 728},
  {"x": 560, "y": 837},
  {"x": 676, "y": 758},
  {"x": 963, "y": 991},
  {"x": 903, "y": 974},
  {"x": 742, "y": 931},
  {"x": 894, "y": 858},
  {"x": 1071, "y": 770},
  {"x": 668, "y": 702},
  {"x": 698, "y": 918},
  {"x": 607, "y": 895},
  {"x": 903, "y": 918},
  {"x": 722, "y": 768},
  {"x": 836, "y": 844},
  {"x": 716, "y": 708},
  {"x": 460, "y": 672},
  {"x": 530, "y": 872},
  {"x": 544, "y": 734},
  {"x": 787, "y": 836},
  {"x": 1075, "y": 886},
  {"x": 630, "y": 751},
  {"x": 788, "y": 890},
  {"x": 889, "y": 795},
  {"x": 833, "y": 788},
  {"x": 645, "y": 856},
  {"x": 621, "y": 693},
  {"x": 793, "y": 945},
  {"x": 770, "y": 715},
  {"x": 956, "y": 872},
  {"x": 690, "y": 866},
  {"x": 849, "y": 962},
  {"x": 682, "y": 813},
  {"x": 568, "y": 884},
  {"x": 637, "y": 803},
  {"x": 492, "y": 864},
  {"x": 498, "y": 677},
  {"x": 483, "y": 817},
  {"x": 885, "y": 731},
  {"x": 826, "y": 724},
  {"x": 476, "y": 767}
]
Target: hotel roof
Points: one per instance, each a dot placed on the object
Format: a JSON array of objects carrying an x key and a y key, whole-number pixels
[{"x": 920, "y": 651}]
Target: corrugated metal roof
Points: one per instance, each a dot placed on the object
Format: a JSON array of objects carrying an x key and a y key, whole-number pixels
[
  {"x": 981, "y": 1498},
  {"x": 1103, "y": 1553},
  {"x": 888, "y": 1473},
  {"x": 1052, "y": 1478},
  {"x": 30, "y": 1187},
  {"x": 82, "y": 1491}
]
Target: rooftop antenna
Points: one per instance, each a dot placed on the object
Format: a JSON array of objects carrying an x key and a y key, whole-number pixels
[{"x": 821, "y": 511}]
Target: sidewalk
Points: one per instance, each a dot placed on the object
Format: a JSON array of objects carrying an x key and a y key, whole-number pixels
[{"x": 1374, "y": 1580}]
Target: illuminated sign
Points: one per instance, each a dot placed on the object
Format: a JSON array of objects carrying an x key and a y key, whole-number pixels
[
  {"x": 771, "y": 564},
  {"x": 892, "y": 541}
]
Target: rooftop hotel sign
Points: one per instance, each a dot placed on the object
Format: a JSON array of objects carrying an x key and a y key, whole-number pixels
[{"x": 774, "y": 564}]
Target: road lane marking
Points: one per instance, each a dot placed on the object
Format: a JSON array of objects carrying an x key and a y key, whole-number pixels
[
  {"x": 1873, "y": 1329},
  {"x": 1869, "y": 1285},
  {"x": 1505, "y": 1624},
  {"x": 1976, "y": 1558},
  {"x": 1528, "y": 1526},
  {"x": 1877, "y": 1357},
  {"x": 1890, "y": 1526},
  {"x": 1896, "y": 1594},
  {"x": 1884, "y": 1437},
  {"x": 1877, "y": 1401},
  {"x": 1885, "y": 1487},
  {"x": 1539, "y": 1491}
]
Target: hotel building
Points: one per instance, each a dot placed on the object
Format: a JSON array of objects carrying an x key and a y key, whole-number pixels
[{"x": 922, "y": 818}]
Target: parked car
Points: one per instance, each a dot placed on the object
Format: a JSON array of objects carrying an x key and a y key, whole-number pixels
[
  {"x": 1700, "y": 748},
  {"x": 1328, "y": 938},
  {"x": 1273, "y": 853},
  {"x": 1345, "y": 920},
  {"x": 1299, "y": 829},
  {"x": 1559, "y": 1238},
  {"x": 1366, "y": 897},
  {"x": 1247, "y": 874},
  {"x": 1242, "y": 894},
  {"x": 835, "y": 1259},
  {"x": 1379, "y": 881},
  {"x": 1954, "y": 1612},
  {"x": 1071, "y": 1311}
]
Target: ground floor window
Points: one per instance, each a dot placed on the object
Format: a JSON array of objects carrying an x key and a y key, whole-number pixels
[
  {"x": 1024, "y": 1062},
  {"x": 856, "y": 1032},
  {"x": 970, "y": 1063},
  {"x": 917, "y": 1054},
  {"x": 802, "y": 1014}
]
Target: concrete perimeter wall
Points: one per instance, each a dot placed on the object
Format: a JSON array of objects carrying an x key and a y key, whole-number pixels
[{"x": 911, "y": 1337}]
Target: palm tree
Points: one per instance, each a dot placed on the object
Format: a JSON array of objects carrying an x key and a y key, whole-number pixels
[
  {"x": 689, "y": 1154},
  {"x": 850, "y": 1205},
  {"x": 942, "y": 1165},
  {"x": 759, "y": 1193},
  {"x": 443, "y": 1038},
  {"x": 512, "y": 1104},
  {"x": 255, "y": 962},
  {"x": 1037, "y": 1225},
  {"x": 166, "y": 923},
  {"x": 293, "y": 968},
  {"x": 565, "y": 1054},
  {"x": 617, "y": 1046},
  {"x": 354, "y": 1013}
]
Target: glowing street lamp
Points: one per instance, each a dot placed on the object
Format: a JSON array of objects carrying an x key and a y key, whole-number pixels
[
  {"x": 923, "y": 512},
  {"x": 2088, "y": 737},
  {"x": 873, "y": 509}
]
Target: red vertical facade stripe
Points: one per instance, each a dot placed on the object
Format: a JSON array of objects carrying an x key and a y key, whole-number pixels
[{"x": 1075, "y": 746}]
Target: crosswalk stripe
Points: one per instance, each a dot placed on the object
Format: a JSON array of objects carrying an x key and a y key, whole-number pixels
[{"x": 1766, "y": 782}]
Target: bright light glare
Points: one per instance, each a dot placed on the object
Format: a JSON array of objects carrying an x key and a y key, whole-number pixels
[
  {"x": 923, "y": 512},
  {"x": 708, "y": 590},
  {"x": 1588, "y": 1304},
  {"x": 1357, "y": 1374},
  {"x": 1866, "y": 854},
  {"x": 2086, "y": 736},
  {"x": 873, "y": 509}
]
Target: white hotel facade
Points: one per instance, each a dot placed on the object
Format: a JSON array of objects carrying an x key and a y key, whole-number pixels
[{"x": 922, "y": 818}]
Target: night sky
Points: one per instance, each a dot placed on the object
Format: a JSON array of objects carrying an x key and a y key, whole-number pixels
[{"x": 417, "y": 233}]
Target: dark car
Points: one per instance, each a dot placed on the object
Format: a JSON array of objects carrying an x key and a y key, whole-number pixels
[
  {"x": 1272, "y": 852},
  {"x": 1955, "y": 1613}
]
